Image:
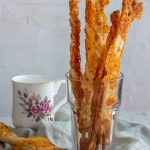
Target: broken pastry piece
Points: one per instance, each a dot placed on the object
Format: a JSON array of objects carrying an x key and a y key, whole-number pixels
[{"x": 19, "y": 143}]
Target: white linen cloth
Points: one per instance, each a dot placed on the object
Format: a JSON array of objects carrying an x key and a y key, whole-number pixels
[{"x": 133, "y": 130}]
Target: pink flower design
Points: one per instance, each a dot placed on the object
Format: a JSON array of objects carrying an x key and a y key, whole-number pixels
[
  {"x": 33, "y": 106},
  {"x": 46, "y": 107},
  {"x": 35, "y": 109}
]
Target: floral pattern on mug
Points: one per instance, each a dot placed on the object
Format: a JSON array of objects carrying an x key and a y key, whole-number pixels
[{"x": 34, "y": 107}]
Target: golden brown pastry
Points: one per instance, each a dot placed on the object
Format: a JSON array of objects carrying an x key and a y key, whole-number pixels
[
  {"x": 75, "y": 71},
  {"x": 131, "y": 9},
  {"x": 102, "y": 30},
  {"x": 115, "y": 18},
  {"x": 19, "y": 143},
  {"x": 90, "y": 18},
  {"x": 104, "y": 48}
]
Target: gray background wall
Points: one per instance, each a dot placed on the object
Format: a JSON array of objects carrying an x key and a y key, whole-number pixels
[{"x": 34, "y": 38}]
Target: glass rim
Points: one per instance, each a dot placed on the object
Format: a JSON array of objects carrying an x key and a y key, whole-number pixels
[{"x": 79, "y": 80}]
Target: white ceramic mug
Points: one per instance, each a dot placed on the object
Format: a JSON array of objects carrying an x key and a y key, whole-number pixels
[{"x": 34, "y": 99}]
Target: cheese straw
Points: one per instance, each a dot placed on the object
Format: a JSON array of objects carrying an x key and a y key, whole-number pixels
[
  {"x": 90, "y": 16},
  {"x": 112, "y": 62},
  {"x": 109, "y": 95},
  {"x": 75, "y": 71},
  {"x": 131, "y": 9},
  {"x": 90, "y": 69},
  {"x": 102, "y": 48},
  {"x": 96, "y": 90},
  {"x": 102, "y": 30},
  {"x": 115, "y": 18}
]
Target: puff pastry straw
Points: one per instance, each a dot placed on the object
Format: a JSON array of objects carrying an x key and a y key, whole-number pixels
[
  {"x": 97, "y": 22},
  {"x": 102, "y": 30},
  {"x": 75, "y": 71},
  {"x": 75, "y": 59},
  {"x": 90, "y": 18},
  {"x": 104, "y": 48},
  {"x": 115, "y": 18},
  {"x": 115, "y": 43},
  {"x": 131, "y": 9}
]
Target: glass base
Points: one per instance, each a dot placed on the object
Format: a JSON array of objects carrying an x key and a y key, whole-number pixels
[{"x": 109, "y": 142}]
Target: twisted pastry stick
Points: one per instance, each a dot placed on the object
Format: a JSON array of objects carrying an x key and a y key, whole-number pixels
[
  {"x": 75, "y": 71},
  {"x": 102, "y": 27},
  {"x": 101, "y": 89},
  {"x": 90, "y": 17},
  {"x": 109, "y": 92},
  {"x": 102, "y": 30},
  {"x": 115, "y": 18},
  {"x": 110, "y": 53},
  {"x": 90, "y": 69},
  {"x": 96, "y": 35},
  {"x": 131, "y": 9}
]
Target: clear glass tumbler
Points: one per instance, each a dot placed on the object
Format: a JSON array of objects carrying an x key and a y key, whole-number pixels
[{"x": 94, "y": 112}]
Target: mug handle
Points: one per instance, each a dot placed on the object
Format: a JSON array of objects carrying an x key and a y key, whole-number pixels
[{"x": 64, "y": 100}]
